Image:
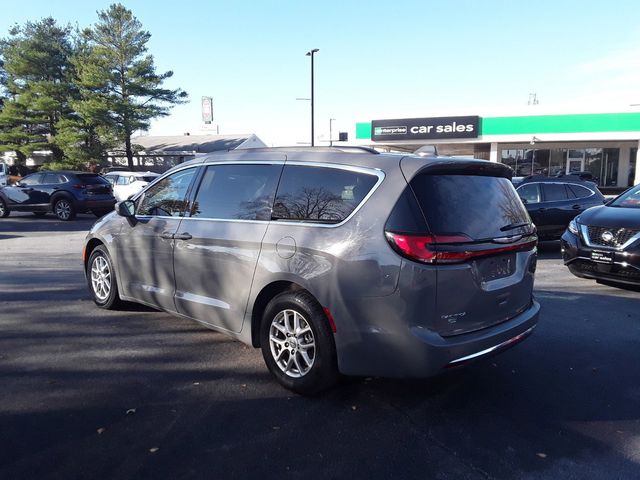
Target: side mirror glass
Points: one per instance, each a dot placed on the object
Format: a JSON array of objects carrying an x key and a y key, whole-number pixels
[{"x": 126, "y": 209}]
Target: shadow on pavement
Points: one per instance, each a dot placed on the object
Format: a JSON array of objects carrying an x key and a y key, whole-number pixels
[
  {"x": 556, "y": 406},
  {"x": 27, "y": 223}
]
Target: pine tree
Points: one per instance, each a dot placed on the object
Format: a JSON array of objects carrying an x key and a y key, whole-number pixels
[
  {"x": 118, "y": 83},
  {"x": 36, "y": 59}
]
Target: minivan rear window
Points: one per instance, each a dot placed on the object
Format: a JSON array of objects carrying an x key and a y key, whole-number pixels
[
  {"x": 320, "y": 194},
  {"x": 476, "y": 206}
]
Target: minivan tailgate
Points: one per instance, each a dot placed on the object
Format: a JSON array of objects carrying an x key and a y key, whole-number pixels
[
  {"x": 483, "y": 245},
  {"x": 483, "y": 292}
]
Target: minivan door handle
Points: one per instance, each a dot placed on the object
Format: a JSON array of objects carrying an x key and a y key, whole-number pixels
[
  {"x": 576, "y": 207},
  {"x": 166, "y": 235},
  {"x": 182, "y": 236}
]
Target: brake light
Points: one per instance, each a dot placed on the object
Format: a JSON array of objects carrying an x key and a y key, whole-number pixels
[
  {"x": 438, "y": 248},
  {"x": 79, "y": 186}
]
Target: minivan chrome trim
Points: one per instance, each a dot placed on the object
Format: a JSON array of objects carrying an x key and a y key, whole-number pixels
[
  {"x": 489, "y": 350},
  {"x": 368, "y": 171}
]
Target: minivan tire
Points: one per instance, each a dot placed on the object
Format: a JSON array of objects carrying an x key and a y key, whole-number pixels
[
  {"x": 101, "y": 278},
  {"x": 4, "y": 210},
  {"x": 323, "y": 371},
  {"x": 64, "y": 209}
]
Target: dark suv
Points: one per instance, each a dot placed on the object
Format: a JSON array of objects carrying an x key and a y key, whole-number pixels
[
  {"x": 64, "y": 193},
  {"x": 329, "y": 260},
  {"x": 553, "y": 202},
  {"x": 604, "y": 242}
]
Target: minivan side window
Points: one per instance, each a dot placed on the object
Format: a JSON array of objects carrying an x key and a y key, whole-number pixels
[
  {"x": 237, "y": 192},
  {"x": 530, "y": 192},
  {"x": 168, "y": 196},
  {"x": 554, "y": 192},
  {"x": 320, "y": 194}
]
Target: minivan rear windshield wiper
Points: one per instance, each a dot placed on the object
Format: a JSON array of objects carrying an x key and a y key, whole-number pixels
[{"x": 513, "y": 226}]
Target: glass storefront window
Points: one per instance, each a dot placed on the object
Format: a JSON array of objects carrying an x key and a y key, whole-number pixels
[
  {"x": 602, "y": 163},
  {"x": 632, "y": 167}
]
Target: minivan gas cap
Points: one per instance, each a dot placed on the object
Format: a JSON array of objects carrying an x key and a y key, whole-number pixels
[{"x": 286, "y": 247}]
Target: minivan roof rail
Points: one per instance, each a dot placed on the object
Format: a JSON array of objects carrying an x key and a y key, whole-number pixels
[{"x": 341, "y": 148}]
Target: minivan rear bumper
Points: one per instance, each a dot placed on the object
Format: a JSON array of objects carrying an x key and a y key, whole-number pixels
[{"x": 423, "y": 353}]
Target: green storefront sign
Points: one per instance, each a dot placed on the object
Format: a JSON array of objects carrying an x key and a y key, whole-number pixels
[{"x": 575, "y": 123}]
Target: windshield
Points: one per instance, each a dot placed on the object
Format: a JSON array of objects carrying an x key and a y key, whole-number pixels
[
  {"x": 630, "y": 199},
  {"x": 476, "y": 206}
]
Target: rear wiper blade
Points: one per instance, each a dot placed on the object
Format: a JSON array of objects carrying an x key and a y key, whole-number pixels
[{"x": 513, "y": 226}]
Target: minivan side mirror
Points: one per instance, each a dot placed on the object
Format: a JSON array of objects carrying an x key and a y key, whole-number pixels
[{"x": 126, "y": 209}]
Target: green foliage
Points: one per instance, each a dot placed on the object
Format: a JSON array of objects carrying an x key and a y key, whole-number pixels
[
  {"x": 66, "y": 164},
  {"x": 79, "y": 95},
  {"x": 36, "y": 77},
  {"x": 118, "y": 83}
]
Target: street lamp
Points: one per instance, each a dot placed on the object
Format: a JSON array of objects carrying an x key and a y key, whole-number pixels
[
  {"x": 331, "y": 120},
  {"x": 310, "y": 54}
]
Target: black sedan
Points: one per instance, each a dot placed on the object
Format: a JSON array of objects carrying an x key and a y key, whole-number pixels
[
  {"x": 603, "y": 243},
  {"x": 64, "y": 193},
  {"x": 553, "y": 202}
]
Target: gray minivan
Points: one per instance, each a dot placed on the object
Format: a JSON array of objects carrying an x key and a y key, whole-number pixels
[{"x": 331, "y": 260}]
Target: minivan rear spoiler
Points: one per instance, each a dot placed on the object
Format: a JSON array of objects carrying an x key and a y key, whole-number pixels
[{"x": 411, "y": 166}]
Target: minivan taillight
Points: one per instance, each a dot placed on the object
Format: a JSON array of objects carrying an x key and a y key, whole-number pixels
[{"x": 446, "y": 248}]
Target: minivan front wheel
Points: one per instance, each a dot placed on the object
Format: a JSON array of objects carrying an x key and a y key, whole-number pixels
[
  {"x": 297, "y": 343},
  {"x": 102, "y": 279}
]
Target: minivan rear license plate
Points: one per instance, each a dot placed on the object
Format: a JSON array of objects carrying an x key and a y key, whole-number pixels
[
  {"x": 602, "y": 257},
  {"x": 492, "y": 268}
]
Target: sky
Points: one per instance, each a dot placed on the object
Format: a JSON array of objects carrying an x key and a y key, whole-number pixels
[{"x": 377, "y": 59}]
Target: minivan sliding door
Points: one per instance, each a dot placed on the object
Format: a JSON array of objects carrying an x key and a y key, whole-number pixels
[{"x": 218, "y": 243}]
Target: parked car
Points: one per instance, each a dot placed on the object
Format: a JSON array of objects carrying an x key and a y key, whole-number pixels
[
  {"x": 125, "y": 184},
  {"x": 4, "y": 174},
  {"x": 603, "y": 243},
  {"x": 584, "y": 176},
  {"x": 322, "y": 257},
  {"x": 517, "y": 181},
  {"x": 65, "y": 193},
  {"x": 553, "y": 202}
]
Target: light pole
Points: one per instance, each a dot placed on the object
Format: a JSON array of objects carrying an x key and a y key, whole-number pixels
[
  {"x": 331, "y": 120},
  {"x": 310, "y": 54}
]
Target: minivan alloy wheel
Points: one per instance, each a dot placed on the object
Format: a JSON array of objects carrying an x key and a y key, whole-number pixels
[
  {"x": 292, "y": 343},
  {"x": 100, "y": 278}
]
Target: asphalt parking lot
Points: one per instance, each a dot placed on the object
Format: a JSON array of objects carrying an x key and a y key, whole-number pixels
[{"x": 86, "y": 393}]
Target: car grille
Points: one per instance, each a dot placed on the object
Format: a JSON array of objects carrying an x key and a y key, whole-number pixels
[{"x": 620, "y": 236}]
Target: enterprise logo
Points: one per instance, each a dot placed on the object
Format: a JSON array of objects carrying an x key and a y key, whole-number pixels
[{"x": 390, "y": 131}]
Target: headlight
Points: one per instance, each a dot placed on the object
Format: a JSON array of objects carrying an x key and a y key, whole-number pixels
[{"x": 573, "y": 226}]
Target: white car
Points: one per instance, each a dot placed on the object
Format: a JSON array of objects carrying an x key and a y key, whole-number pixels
[
  {"x": 4, "y": 174},
  {"x": 126, "y": 184}
]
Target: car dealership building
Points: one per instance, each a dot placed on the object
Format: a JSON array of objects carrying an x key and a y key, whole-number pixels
[{"x": 605, "y": 144}]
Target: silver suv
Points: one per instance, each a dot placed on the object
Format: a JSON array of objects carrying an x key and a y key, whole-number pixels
[{"x": 331, "y": 260}]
